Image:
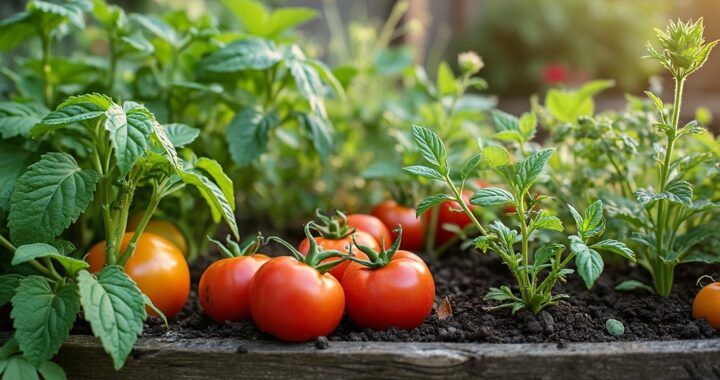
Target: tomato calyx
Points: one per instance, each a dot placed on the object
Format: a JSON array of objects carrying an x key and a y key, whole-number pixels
[
  {"x": 376, "y": 259},
  {"x": 332, "y": 227},
  {"x": 315, "y": 255},
  {"x": 701, "y": 281},
  {"x": 231, "y": 249}
]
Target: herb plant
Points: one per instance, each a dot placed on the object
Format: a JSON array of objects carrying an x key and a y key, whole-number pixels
[
  {"x": 536, "y": 270},
  {"x": 115, "y": 150}
]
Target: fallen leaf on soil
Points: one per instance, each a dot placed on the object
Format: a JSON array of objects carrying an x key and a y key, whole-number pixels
[{"x": 444, "y": 310}]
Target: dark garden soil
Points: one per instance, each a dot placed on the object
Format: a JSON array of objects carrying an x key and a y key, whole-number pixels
[{"x": 464, "y": 277}]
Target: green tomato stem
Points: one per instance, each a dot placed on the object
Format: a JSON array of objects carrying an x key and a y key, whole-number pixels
[{"x": 45, "y": 39}]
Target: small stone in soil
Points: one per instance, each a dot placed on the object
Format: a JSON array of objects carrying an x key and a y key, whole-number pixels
[
  {"x": 322, "y": 343},
  {"x": 242, "y": 350}
]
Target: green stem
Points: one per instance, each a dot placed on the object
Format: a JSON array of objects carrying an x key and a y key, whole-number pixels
[
  {"x": 33, "y": 263},
  {"x": 46, "y": 69},
  {"x": 526, "y": 288},
  {"x": 155, "y": 199},
  {"x": 461, "y": 202},
  {"x": 430, "y": 236},
  {"x": 113, "y": 65}
]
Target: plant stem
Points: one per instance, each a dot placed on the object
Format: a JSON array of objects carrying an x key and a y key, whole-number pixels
[
  {"x": 461, "y": 202},
  {"x": 526, "y": 289},
  {"x": 149, "y": 211},
  {"x": 33, "y": 263},
  {"x": 113, "y": 65},
  {"x": 46, "y": 69}
]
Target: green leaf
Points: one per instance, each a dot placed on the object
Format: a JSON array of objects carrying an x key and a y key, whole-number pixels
[
  {"x": 43, "y": 317},
  {"x": 510, "y": 136},
  {"x": 15, "y": 30},
  {"x": 546, "y": 222},
  {"x": 215, "y": 198},
  {"x": 446, "y": 83},
  {"x": 577, "y": 217},
  {"x": 247, "y": 134},
  {"x": 483, "y": 242},
  {"x": 287, "y": 17},
  {"x": 252, "y": 14},
  {"x": 320, "y": 132},
  {"x": 496, "y": 156},
  {"x": 470, "y": 165},
  {"x": 702, "y": 257},
  {"x": 567, "y": 106},
  {"x": 504, "y": 121},
  {"x": 547, "y": 252},
  {"x": 216, "y": 172},
  {"x": 17, "y": 119},
  {"x": 48, "y": 197},
  {"x": 528, "y": 125},
  {"x": 8, "y": 285},
  {"x": 130, "y": 128},
  {"x": 327, "y": 75},
  {"x": 248, "y": 54},
  {"x": 531, "y": 168},
  {"x": 593, "y": 220},
  {"x": 658, "y": 102},
  {"x": 429, "y": 202},
  {"x": 158, "y": 28},
  {"x": 307, "y": 81},
  {"x": 630, "y": 285},
  {"x": 431, "y": 147},
  {"x": 18, "y": 368},
  {"x": 51, "y": 371},
  {"x": 679, "y": 192},
  {"x": 491, "y": 197},
  {"x": 27, "y": 252},
  {"x": 160, "y": 138},
  {"x": 616, "y": 247},
  {"x": 425, "y": 172},
  {"x": 181, "y": 135},
  {"x": 13, "y": 162},
  {"x": 115, "y": 308},
  {"x": 68, "y": 114},
  {"x": 589, "y": 263}
]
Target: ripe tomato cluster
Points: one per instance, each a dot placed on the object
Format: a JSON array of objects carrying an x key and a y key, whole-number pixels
[{"x": 346, "y": 269}]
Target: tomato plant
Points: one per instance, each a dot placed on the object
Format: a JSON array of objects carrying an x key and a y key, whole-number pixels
[
  {"x": 392, "y": 288},
  {"x": 293, "y": 298},
  {"x": 336, "y": 234},
  {"x": 392, "y": 215},
  {"x": 224, "y": 288},
  {"x": 450, "y": 215},
  {"x": 706, "y": 304},
  {"x": 162, "y": 228},
  {"x": 157, "y": 266},
  {"x": 371, "y": 225}
]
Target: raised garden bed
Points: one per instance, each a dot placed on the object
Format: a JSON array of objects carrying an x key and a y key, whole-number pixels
[{"x": 570, "y": 340}]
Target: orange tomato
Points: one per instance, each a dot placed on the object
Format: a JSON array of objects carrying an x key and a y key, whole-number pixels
[{"x": 707, "y": 304}]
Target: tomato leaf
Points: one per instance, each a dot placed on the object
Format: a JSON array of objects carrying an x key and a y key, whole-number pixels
[
  {"x": 431, "y": 147},
  {"x": 593, "y": 222},
  {"x": 547, "y": 252},
  {"x": 158, "y": 27},
  {"x": 219, "y": 205},
  {"x": 616, "y": 247},
  {"x": 505, "y": 122},
  {"x": 470, "y": 165},
  {"x": 425, "y": 172},
  {"x": 215, "y": 170},
  {"x": 8, "y": 285},
  {"x": 429, "y": 202},
  {"x": 18, "y": 368},
  {"x": 13, "y": 162},
  {"x": 161, "y": 138},
  {"x": 285, "y": 18},
  {"x": 630, "y": 285},
  {"x": 181, "y": 135},
  {"x": 491, "y": 197},
  {"x": 320, "y": 132},
  {"x": 589, "y": 263},
  {"x": 17, "y": 119},
  {"x": 27, "y": 252},
  {"x": 307, "y": 80},
  {"x": 446, "y": 83},
  {"x": 42, "y": 317},
  {"x": 48, "y": 197},
  {"x": 51, "y": 371},
  {"x": 129, "y": 128},
  {"x": 115, "y": 308},
  {"x": 495, "y": 156},
  {"x": 546, "y": 222},
  {"x": 247, "y": 54},
  {"x": 247, "y": 134},
  {"x": 531, "y": 168}
]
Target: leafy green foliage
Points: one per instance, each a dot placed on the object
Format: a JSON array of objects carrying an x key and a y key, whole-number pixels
[
  {"x": 42, "y": 317},
  {"x": 247, "y": 134},
  {"x": 48, "y": 197},
  {"x": 247, "y": 54},
  {"x": 32, "y": 251},
  {"x": 115, "y": 308},
  {"x": 568, "y": 105}
]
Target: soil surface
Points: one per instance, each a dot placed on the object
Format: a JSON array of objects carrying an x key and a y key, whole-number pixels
[{"x": 464, "y": 277}]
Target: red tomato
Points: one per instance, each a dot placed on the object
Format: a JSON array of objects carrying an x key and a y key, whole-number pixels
[
  {"x": 361, "y": 237},
  {"x": 707, "y": 304},
  {"x": 392, "y": 214},
  {"x": 371, "y": 225},
  {"x": 399, "y": 294},
  {"x": 447, "y": 216},
  {"x": 294, "y": 302},
  {"x": 157, "y": 266},
  {"x": 225, "y": 285}
]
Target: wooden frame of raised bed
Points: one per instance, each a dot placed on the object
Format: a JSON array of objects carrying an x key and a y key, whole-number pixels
[{"x": 83, "y": 358}]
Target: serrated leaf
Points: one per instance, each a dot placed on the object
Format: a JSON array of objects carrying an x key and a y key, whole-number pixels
[
  {"x": 431, "y": 147},
  {"x": 308, "y": 83},
  {"x": 8, "y": 284},
  {"x": 679, "y": 192},
  {"x": 13, "y": 162},
  {"x": 429, "y": 202},
  {"x": 593, "y": 220},
  {"x": 531, "y": 168},
  {"x": 247, "y": 134},
  {"x": 589, "y": 263},
  {"x": 547, "y": 222},
  {"x": 470, "y": 165},
  {"x": 27, "y": 252},
  {"x": 67, "y": 115},
  {"x": 42, "y": 318},
  {"x": 327, "y": 75},
  {"x": 495, "y": 156},
  {"x": 576, "y": 217},
  {"x": 181, "y": 135},
  {"x": 17, "y": 119},
  {"x": 129, "y": 128},
  {"x": 491, "y": 197},
  {"x": 247, "y": 54},
  {"x": 483, "y": 242},
  {"x": 287, "y": 17},
  {"x": 158, "y": 28},
  {"x": 503, "y": 121},
  {"x": 425, "y": 172},
  {"x": 48, "y": 197},
  {"x": 616, "y": 247},
  {"x": 510, "y": 136},
  {"x": 161, "y": 138},
  {"x": 18, "y": 368},
  {"x": 216, "y": 200},
  {"x": 115, "y": 308},
  {"x": 216, "y": 172},
  {"x": 320, "y": 133},
  {"x": 527, "y": 125},
  {"x": 547, "y": 252}
]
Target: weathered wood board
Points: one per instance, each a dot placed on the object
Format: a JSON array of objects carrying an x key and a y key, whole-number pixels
[{"x": 158, "y": 359}]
